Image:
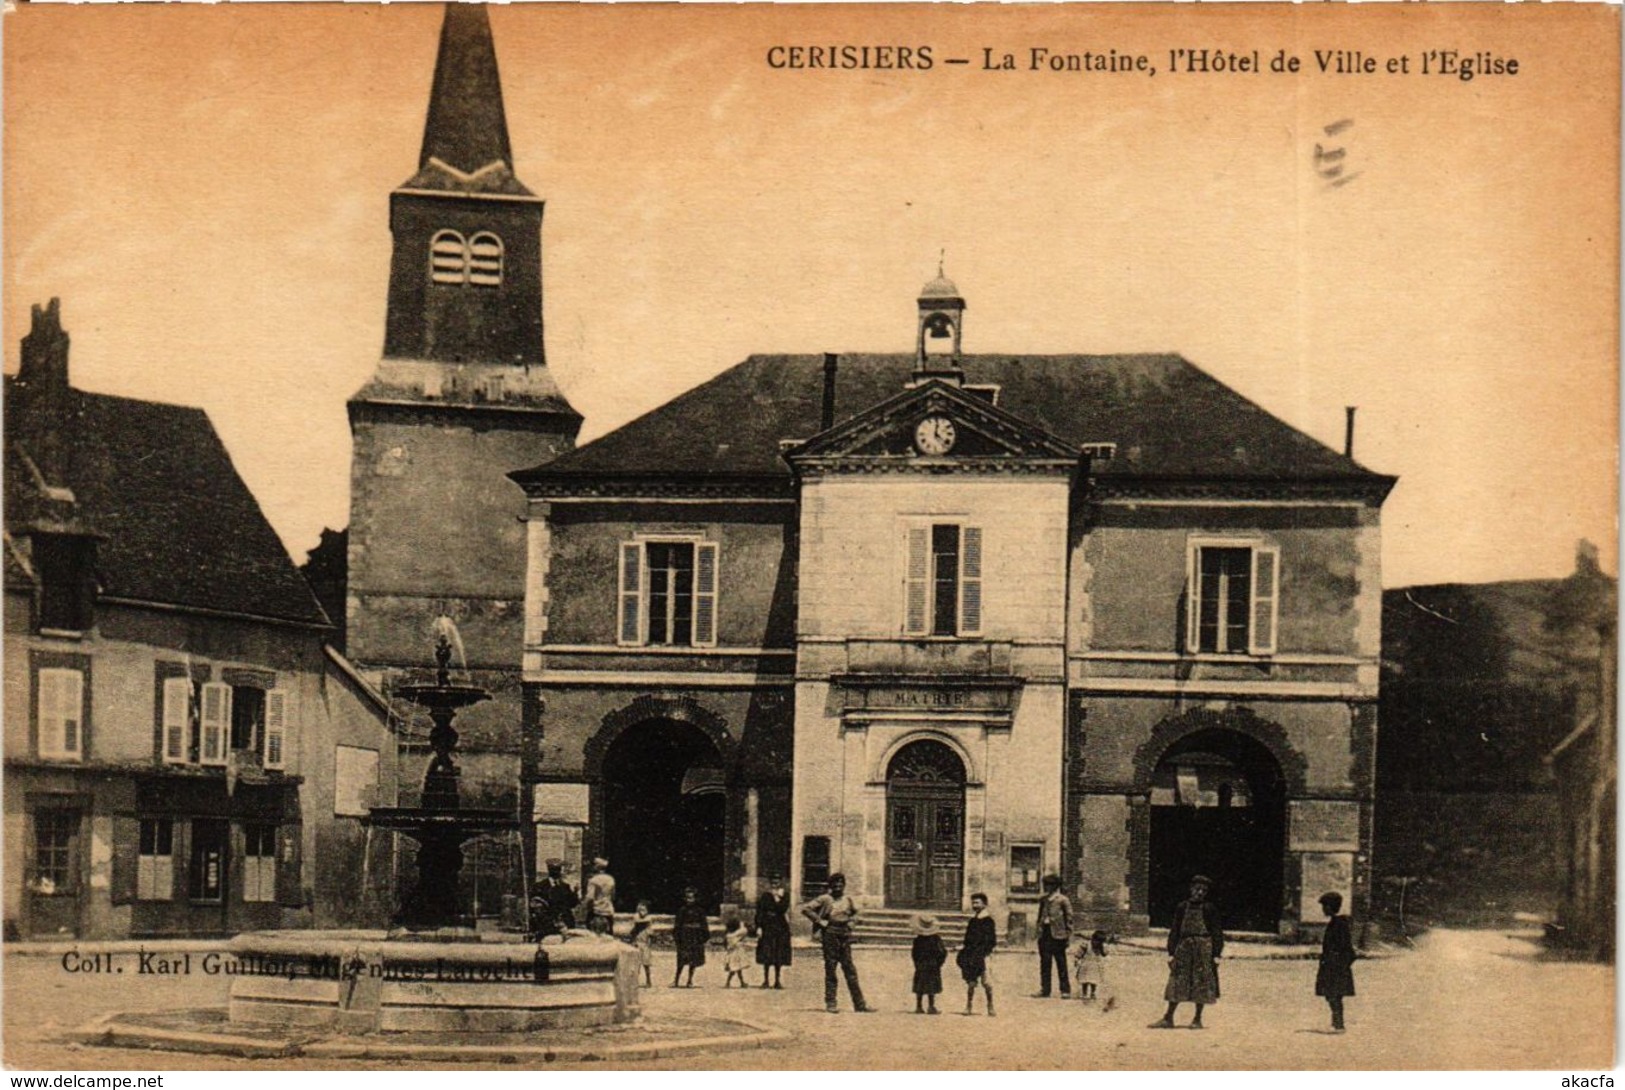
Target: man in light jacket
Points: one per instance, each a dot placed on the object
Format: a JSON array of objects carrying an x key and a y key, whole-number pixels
[{"x": 1054, "y": 930}]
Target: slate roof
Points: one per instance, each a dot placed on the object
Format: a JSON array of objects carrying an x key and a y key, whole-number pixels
[
  {"x": 467, "y": 128},
  {"x": 1170, "y": 420},
  {"x": 178, "y": 524}
]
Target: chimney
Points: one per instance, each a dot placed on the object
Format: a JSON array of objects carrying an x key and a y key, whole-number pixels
[
  {"x": 1348, "y": 432},
  {"x": 45, "y": 350},
  {"x": 826, "y": 419}
]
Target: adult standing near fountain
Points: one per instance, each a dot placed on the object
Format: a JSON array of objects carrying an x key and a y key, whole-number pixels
[
  {"x": 599, "y": 897},
  {"x": 773, "y": 930},
  {"x": 552, "y": 903}
]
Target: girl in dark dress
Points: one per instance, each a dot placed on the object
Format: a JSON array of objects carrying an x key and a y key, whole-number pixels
[
  {"x": 928, "y": 954},
  {"x": 1194, "y": 945},
  {"x": 773, "y": 930},
  {"x": 1335, "y": 978},
  {"x": 691, "y": 931}
]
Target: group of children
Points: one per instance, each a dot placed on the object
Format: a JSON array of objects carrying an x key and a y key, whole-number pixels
[
  {"x": 981, "y": 937},
  {"x": 691, "y": 932}
]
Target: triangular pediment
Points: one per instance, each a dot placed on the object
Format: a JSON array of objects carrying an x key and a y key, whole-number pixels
[{"x": 933, "y": 425}]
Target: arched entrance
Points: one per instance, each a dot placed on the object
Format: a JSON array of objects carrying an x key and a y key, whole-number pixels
[
  {"x": 1218, "y": 807},
  {"x": 925, "y": 826},
  {"x": 664, "y": 814}
]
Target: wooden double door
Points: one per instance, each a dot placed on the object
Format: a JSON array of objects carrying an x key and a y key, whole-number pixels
[{"x": 925, "y": 846}]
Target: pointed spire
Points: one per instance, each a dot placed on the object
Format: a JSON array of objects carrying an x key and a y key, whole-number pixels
[{"x": 467, "y": 128}]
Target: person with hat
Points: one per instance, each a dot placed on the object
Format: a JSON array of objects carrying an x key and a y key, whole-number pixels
[
  {"x": 552, "y": 903},
  {"x": 928, "y": 954},
  {"x": 773, "y": 929},
  {"x": 1054, "y": 934},
  {"x": 832, "y": 914},
  {"x": 1335, "y": 978},
  {"x": 599, "y": 898},
  {"x": 1195, "y": 942}
]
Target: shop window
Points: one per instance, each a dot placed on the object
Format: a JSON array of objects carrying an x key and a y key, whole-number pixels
[
  {"x": 56, "y": 850},
  {"x": 259, "y": 862},
  {"x": 206, "y": 877},
  {"x": 155, "y": 863}
]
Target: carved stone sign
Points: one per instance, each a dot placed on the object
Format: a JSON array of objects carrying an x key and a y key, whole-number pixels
[
  {"x": 927, "y": 698},
  {"x": 1320, "y": 826},
  {"x": 565, "y": 802}
]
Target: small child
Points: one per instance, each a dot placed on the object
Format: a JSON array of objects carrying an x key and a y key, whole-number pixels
[
  {"x": 736, "y": 957},
  {"x": 1089, "y": 966},
  {"x": 928, "y": 954},
  {"x": 981, "y": 938},
  {"x": 643, "y": 938}
]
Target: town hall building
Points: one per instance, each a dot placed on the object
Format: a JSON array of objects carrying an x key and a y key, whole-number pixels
[{"x": 949, "y": 622}]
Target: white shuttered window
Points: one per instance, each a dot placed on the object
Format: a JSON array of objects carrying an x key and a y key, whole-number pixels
[
  {"x": 215, "y": 724},
  {"x": 61, "y": 713},
  {"x": 669, "y": 587},
  {"x": 276, "y": 728},
  {"x": 1232, "y": 596},
  {"x": 177, "y": 722},
  {"x": 942, "y": 580}
]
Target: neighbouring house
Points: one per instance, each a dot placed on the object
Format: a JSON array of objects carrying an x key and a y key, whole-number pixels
[
  {"x": 183, "y": 753},
  {"x": 948, "y": 622},
  {"x": 1481, "y": 682}
]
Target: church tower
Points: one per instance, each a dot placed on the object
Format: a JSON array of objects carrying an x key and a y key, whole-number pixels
[{"x": 461, "y": 397}]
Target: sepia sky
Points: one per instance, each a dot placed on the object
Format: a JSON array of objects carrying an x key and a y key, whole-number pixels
[{"x": 206, "y": 188}]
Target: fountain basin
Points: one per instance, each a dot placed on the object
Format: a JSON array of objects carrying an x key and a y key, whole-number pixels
[{"x": 367, "y": 981}]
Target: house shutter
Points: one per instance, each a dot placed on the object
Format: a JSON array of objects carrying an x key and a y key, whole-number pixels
[
  {"x": 61, "y": 712},
  {"x": 1266, "y": 594},
  {"x": 916, "y": 581},
  {"x": 177, "y": 718},
  {"x": 631, "y": 591},
  {"x": 276, "y": 728},
  {"x": 216, "y": 724},
  {"x": 1193, "y": 598},
  {"x": 126, "y": 859},
  {"x": 970, "y": 581},
  {"x": 705, "y": 595},
  {"x": 290, "y": 891}
]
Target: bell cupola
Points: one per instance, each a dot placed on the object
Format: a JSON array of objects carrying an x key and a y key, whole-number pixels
[{"x": 941, "y": 323}]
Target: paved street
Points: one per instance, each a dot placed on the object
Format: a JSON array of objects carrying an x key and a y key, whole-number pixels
[{"x": 1462, "y": 999}]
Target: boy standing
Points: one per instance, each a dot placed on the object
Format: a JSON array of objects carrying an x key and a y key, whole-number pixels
[{"x": 981, "y": 937}]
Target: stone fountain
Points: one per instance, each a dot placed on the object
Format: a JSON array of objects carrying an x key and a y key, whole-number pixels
[{"x": 434, "y": 972}]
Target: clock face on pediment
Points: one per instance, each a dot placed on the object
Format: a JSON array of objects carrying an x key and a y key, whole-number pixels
[
  {"x": 937, "y": 427},
  {"x": 935, "y": 434}
]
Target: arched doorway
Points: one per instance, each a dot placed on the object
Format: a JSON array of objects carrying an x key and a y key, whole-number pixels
[
  {"x": 925, "y": 826},
  {"x": 1218, "y": 807},
  {"x": 664, "y": 814}
]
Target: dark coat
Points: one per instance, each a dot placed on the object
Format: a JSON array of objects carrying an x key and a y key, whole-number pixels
[
  {"x": 773, "y": 929},
  {"x": 981, "y": 938},
  {"x": 552, "y": 906},
  {"x": 929, "y": 954},
  {"x": 1336, "y": 974}
]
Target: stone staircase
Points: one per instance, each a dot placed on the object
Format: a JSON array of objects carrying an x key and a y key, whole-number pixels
[{"x": 894, "y": 927}]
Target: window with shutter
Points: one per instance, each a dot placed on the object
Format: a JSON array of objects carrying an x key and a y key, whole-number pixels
[
  {"x": 259, "y": 862},
  {"x": 61, "y": 713},
  {"x": 705, "y": 595},
  {"x": 155, "y": 862},
  {"x": 485, "y": 260},
  {"x": 1266, "y": 592},
  {"x": 970, "y": 582},
  {"x": 448, "y": 258},
  {"x": 1232, "y": 591},
  {"x": 631, "y": 631},
  {"x": 290, "y": 891},
  {"x": 915, "y": 580},
  {"x": 177, "y": 719},
  {"x": 276, "y": 728},
  {"x": 214, "y": 723}
]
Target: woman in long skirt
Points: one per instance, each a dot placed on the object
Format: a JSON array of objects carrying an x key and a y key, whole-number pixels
[
  {"x": 691, "y": 931},
  {"x": 773, "y": 930},
  {"x": 1194, "y": 945}
]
